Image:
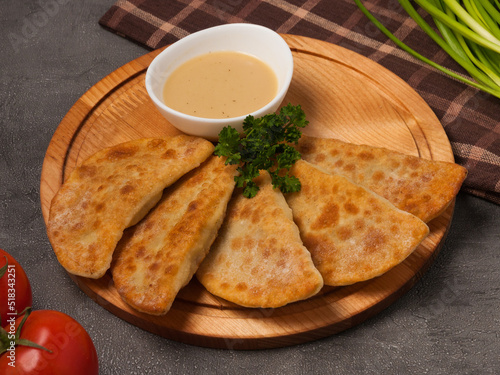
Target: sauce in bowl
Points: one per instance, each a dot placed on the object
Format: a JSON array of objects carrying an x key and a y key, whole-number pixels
[{"x": 220, "y": 85}]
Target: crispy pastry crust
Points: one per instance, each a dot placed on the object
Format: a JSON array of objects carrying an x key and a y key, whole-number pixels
[
  {"x": 352, "y": 233},
  {"x": 421, "y": 187},
  {"x": 258, "y": 259},
  {"x": 159, "y": 256},
  {"x": 111, "y": 191}
]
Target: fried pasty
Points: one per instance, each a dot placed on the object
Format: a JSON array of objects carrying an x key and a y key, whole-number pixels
[
  {"x": 112, "y": 190},
  {"x": 258, "y": 259},
  {"x": 421, "y": 187},
  {"x": 352, "y": 233},
  {"x": 159, "y": 255}
]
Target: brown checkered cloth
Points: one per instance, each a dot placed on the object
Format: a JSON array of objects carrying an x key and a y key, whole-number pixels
[{"x": 470, "y": 118}]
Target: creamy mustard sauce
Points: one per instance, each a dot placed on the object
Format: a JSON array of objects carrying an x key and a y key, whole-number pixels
[{"x": 220, "y": 85}]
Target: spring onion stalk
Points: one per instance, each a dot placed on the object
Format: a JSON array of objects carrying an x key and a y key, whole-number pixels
[
  {"x": 462, "y": 58},
  {"x": 483, "y": 62},
  {"x": 466, "y": 18},
  {"x": 485, "y": 59},
  {"x": 491, "y": 10},
  {"x": 468, "y": 31},
  {"x": 482, "y": 15}
]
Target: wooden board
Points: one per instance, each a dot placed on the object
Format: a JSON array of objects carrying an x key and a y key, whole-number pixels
[{"x": 345, "y": 96}]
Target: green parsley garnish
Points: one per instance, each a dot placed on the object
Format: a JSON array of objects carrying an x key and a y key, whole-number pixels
[{"x": 266, "y": 145}]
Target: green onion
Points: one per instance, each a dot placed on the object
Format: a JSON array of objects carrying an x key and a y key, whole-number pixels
[{"x": 468, "y": 31}]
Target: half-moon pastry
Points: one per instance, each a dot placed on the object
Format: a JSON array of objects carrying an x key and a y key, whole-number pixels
[
  {"x": 422, "y": 187},
  {"x": 112, "y": 190},
  {"x": 352, "y": 233},
  {"x": 258, "y": 259},
  {"x": 159, "y": 255}
]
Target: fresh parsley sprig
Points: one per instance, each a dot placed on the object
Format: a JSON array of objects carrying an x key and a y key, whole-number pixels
[{"x": 266, "y": 145}]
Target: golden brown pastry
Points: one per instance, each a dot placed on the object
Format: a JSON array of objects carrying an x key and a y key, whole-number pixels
[
  {"x": 258, "y": 259},
  {"x": 112, "y": 190},
  {"x": 158, "y": 256},
  {"x": 419, "y": 186},
  {"x": 352, "y": 233}
]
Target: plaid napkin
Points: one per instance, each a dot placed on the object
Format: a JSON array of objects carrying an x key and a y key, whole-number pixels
[{"x": 470, "y": 118}]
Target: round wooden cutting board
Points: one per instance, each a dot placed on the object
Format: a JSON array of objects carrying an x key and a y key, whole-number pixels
[{"x": 345, "y": 96}]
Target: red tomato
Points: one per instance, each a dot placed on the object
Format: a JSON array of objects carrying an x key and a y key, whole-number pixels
[
  {"x": 15, "y": 288},
  {"x": 73, "y": 351}
]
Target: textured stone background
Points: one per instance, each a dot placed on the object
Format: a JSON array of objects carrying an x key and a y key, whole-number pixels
[{"x": 52, "y": 51}]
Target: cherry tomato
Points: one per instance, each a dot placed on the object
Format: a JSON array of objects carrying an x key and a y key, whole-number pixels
[
  {"x": 15, "y": 288},
  {"x": 72, "y": 349}
]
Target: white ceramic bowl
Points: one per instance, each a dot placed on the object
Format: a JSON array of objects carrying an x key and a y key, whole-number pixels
[{"x": 255, "y": 40}]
